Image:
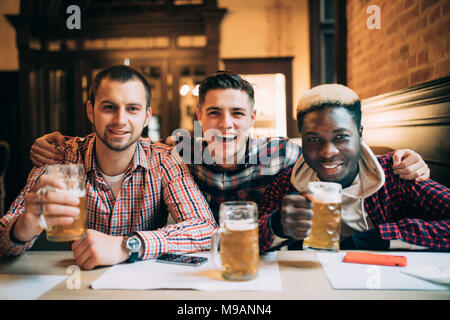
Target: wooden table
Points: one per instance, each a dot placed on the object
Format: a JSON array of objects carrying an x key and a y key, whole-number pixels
[{"x": 302, "y": 278}]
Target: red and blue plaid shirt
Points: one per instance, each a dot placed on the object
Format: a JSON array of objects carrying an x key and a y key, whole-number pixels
[
  {"x": 415, "y": 212},
  {"x": 156, "y": 177},
  {"x": 264, "y": 159}
]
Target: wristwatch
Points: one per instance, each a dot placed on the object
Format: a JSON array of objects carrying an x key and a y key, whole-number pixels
[{"x": 132, "y": 244}]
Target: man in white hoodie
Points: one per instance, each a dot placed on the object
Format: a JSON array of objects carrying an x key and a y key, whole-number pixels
[{"x": 379, "y": 210}]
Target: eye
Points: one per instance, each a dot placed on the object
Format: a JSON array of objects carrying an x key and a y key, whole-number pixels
[
  {"x": 133, "y": 108},
  {"x": 108, "y": 107},
  {"x": 342, "y": 137},
  {"x": 213, "y": 113},
  {"x": 312, "y": 140},
  {"x": 238, "y": 113}
]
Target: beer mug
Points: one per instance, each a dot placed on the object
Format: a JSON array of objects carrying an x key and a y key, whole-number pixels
[
  {"x": 74, "y": 180},
  {"x": 239, "y": 243},
  {"x": 326, "y": 222}
]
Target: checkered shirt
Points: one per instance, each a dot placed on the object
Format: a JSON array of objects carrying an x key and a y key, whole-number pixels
[
  {"x": 264, "y": 159},
  {"x": 415, "y": 212},
  {"x": 156, "y": 177}
]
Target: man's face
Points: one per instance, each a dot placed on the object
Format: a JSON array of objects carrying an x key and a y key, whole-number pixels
[
  {"x": 119, "y": 114},
  {"x": 226, "y": 117},
  {"x": 331, "y": 144}
]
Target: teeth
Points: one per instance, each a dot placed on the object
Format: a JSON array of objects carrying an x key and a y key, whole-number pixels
[
  {"x": 331, "y": 167},
  {"x": 227, "y": 138}
]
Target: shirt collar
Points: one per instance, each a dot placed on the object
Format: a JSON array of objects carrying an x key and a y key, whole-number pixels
[
  {"x": 251, "y": 150},
  {"x": 140, "y": 158}
]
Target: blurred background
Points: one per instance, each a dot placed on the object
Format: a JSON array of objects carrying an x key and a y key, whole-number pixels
[{"x": 283, "y": 47}]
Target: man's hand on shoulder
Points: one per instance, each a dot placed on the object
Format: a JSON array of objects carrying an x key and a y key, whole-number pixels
[
  {"x": 48, "y": 149},
  {"x": 409, "y": 165}
]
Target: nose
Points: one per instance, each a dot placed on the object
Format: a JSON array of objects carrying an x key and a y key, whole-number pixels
[
  {"x": 328, "y": 150},
  {"x": 120, "y": 117},
  {"x": 226, "y": 121}
]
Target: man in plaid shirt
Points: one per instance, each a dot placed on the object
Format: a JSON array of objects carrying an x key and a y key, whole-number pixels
[
  {"x": 379, "y": 210},
  {"x": 225, "y": 161},
  {"x": 128, "y": 180}
]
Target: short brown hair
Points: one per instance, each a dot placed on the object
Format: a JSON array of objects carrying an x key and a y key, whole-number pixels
[
  {"x": 119, "y": 73},
  {"x": 225, "y": 80}
]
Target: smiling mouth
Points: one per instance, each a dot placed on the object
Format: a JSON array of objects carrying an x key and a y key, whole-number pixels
[
  {"x": 332, "y": 168},
  {"x": 225, "y": 138},
  {"x": 118, "y": 132}
]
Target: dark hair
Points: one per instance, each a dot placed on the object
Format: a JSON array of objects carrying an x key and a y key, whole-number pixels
[
  {"x": 354, "y": 109},
  {"x": 122, "y": 74},
  {"x": 225, "y": 80}
]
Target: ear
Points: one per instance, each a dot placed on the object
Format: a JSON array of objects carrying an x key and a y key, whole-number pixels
[
  {"x": 148, "y": 116},
  {"x": 253, "y": 117},
  {"x": 90, "y": 111},
  {"x": 199, "y": 113}
]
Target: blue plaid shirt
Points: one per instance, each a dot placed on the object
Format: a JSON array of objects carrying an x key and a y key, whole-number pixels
[{"x": 264, "y": 159}]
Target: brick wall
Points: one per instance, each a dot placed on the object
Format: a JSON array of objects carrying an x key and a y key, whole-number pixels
[{"x": 412, "y": 46}]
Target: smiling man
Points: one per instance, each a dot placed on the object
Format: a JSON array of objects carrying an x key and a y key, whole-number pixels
[
  {"x": 226, "y": 116},
  {"x": 380, "y": 211},
  {"x": 226, "y": 161},
  {"x": 127, "y": 181}
]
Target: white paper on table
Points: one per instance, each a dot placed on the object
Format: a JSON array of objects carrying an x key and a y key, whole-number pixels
[
  {"x": 26, "y": 287},
  {"x": 436, "y": 274},
  {"x": 343, "y": 275},
  {"x": 145, "y": 275}
]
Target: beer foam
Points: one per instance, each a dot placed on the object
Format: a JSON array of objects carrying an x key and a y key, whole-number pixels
[
  {"x": 325, "y": 193},
  {"x": 240, "y": 225},
  {"x": 76, "y": 192}
]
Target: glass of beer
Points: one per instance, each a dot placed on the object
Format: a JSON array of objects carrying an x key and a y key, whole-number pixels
[
  {"x": 326, "y": 222},
  {"x": 74, "y": 180},
  {"x": 238, "y": 237}
]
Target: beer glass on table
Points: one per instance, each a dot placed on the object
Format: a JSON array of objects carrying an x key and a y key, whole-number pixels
[
  {"x": 74, "y": 180},
  {"x": 326, "y": 222},
  {"x": 239, "y": 243}
]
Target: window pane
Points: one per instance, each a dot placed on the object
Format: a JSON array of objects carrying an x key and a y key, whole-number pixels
[
  {"x": 328, "y": 58},
  {"x": 327, "y": 10}
]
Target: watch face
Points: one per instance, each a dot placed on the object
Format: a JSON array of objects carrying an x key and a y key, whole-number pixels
[{"x": 133, "y": 244}]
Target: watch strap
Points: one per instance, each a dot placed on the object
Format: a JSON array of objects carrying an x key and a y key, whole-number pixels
[{"x": 133, "y": 256}]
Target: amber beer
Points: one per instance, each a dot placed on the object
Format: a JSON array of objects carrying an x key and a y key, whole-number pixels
[
  {"x": 326, "y": 222},
  {"x": 239, "y": 243},
  {"x": 240, "y": 251},
  {"x": 74, "y": 231},
  {"x": 74, "y": 179}
]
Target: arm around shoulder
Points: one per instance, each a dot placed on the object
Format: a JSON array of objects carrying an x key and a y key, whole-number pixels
[{"x": 423, "y": 212}]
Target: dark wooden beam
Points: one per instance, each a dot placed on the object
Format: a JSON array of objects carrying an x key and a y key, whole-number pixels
[{"x": 340, "y": 41}]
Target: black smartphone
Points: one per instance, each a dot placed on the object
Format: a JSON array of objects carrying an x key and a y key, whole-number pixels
[{"x": 181, "y": 259}]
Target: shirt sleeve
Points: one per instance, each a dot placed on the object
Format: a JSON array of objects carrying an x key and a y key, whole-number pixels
[
  {"x": 269, "y": 204},
  {"x": 422, "y": 215},
  {"x": 8, "y": 245},
  {"x": 293, "y": 152},
  {"x": 188, "y": 208}
]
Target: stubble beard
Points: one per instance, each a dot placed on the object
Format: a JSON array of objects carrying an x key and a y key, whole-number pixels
[{"x": 109, "y": 145}]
